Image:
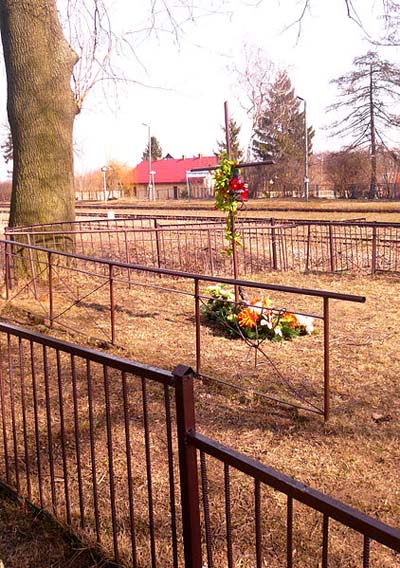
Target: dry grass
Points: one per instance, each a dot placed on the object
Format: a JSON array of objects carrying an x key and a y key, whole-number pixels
[
  {"x": 28, "y": 539},
  {"x": 355, "y": 457}
]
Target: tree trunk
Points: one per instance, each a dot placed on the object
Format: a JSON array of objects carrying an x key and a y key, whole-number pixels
[
  {"x": 41, "y": 111},
  {"x": 373, "y": 179}
]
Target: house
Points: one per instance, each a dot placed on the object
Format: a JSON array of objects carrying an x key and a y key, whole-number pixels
[{"x": 173, "y": 179}]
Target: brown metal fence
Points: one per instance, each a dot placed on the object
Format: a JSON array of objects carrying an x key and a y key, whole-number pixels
[
  {"x": 195, "y": 244},
  {"x": 110, "y": 449},
  {"x": 67, "y": 281}
]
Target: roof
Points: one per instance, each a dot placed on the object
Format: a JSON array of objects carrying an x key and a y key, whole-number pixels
[{"x": 170, "y": 170}]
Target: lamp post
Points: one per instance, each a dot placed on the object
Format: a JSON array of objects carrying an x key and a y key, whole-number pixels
[
  {"x": 150, "y": 186},
  {"x": 306, "y": 179},
  {"x": 104, "y": 170}
]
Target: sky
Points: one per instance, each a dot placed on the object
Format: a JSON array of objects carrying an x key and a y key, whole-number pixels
[{"x": 189, "y": 80}]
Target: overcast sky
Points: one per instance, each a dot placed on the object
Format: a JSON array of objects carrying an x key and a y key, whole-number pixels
[{"x": 186, "y": 114}]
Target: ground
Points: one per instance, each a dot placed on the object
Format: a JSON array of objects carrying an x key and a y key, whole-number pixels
[{"x": 355, "y": 457}]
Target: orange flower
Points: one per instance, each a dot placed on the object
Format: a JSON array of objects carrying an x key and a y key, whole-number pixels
[
  {"x": 290, "y": 319},
  {"x": 248, "y": 318}
]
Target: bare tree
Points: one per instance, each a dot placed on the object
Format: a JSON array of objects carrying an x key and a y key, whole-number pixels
[
  {"x": 254, "y": 79},
  {"x": 348, "y": 172},
  {"x": 365, "y": 96}
]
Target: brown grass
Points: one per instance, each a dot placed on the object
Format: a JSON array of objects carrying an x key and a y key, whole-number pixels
[
  {"x": 355, "y": 457},
  {"x": 29, "y": 539}
]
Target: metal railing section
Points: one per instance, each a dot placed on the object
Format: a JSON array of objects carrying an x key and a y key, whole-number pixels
[
  {"x": 268, "y": 244},
  {"x": 42, "y": 263},
  {"x": 91, "y": 439}
]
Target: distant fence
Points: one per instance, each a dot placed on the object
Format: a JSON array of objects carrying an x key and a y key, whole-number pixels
[
  {"x": 110, "y": 449},
  {"x": 185, "y": 244}
]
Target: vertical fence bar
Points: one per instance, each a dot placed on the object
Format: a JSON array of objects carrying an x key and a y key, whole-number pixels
[
  {"x": 51, "y": 300},
  {"x": 129, "y": 469},
  {"x": 156, "y": 229},
  {"x": 93, "y": 449},
  {"x": 36, "y": 419},
  {"x": 366, "y": 547},
  {"x": 77, "y": 443},
  {"x": 228, "y": 517},
  {"x": 198, "y": 326},
  {"x": 185, "y": 416},
  {"x": 257, "y": 512},
  {"x": 24, "y": 417},
  {"x": 374, "y": 250},
  {"x": 112, "y": 303},
  {"x": 13, "y": 413},
  {"x": 32, "y": 268},
  {"x": 289, "y": 533},
  {"x": 7, "y": 255},
  {"x": 331, "y": 249},
  {"x": 210, "y": 255},
  {"x": 149, "y": 473},
  {"x": 325, "y": 541},
  {"x": 127, "y": 257},
  {"x": 273, "y": 244},
  {"x": 3, "y": 417},
  {"x": 168, "y": 424},
  {"x": 110, "y": 461},
  {"x": 308, "y": 247},
  {"x": 326, "y": 361},
  {"x": 49, "y": 431},
  {"x": 206, "y": 509},
  {"x": 63, "y": 437}
]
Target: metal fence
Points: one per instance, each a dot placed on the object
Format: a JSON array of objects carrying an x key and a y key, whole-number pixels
[
  {"x": 110, "y": 449},
  {"x": 61, "y": 283},
  {"x": 183, "y": 243}
]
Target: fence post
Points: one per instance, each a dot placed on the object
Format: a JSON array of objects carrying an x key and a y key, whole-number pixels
[
  {"x": 185, "y": 417},
  {"x": 373, "y": 259},
  {"x": 326, "y": 361},
  {"x": 198, "y": 326},
  {"x": 112, "y": 303}
]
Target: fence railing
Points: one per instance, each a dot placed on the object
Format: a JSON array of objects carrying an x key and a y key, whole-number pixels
[
  {"x": 48, "y": 268},
  {"x": 178, "y": 243},
  {"x": 110, "y": 449}
]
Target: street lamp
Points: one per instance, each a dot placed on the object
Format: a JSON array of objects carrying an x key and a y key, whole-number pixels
[
  {"x": 150, "y": 192},
  {"x": 306, "y": 179},
  {"x": 104, "y": 170}
]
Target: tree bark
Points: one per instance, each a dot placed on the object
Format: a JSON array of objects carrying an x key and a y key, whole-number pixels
[{"x": 41, "y": 110}]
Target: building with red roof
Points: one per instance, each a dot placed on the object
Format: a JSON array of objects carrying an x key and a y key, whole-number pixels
[{"x": 172, "y": 179}]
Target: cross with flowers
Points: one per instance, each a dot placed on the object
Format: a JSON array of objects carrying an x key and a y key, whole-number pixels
[{"x": 230, "y": 192}]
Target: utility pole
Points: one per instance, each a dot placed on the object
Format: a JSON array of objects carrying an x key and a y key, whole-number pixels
[
  {"x": 150, "y": 186},
  {"x": 306, "y": 178}
]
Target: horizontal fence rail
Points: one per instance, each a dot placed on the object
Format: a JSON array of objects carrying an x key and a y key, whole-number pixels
[
  {"x": 195, "y": 244},
  {"x": 109, "y": 448},
  {"x": 48, "y": 271}
]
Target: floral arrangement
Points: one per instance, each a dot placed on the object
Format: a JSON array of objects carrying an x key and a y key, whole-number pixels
[
  {"x": 256, "y": 320},
  {"x": 230, "y": 190}
]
